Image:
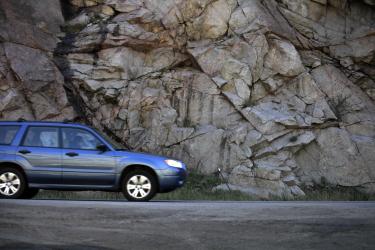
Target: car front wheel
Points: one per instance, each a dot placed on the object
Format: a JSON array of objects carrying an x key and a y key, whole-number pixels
[
  {"x": 12, "y": 183},
  {"x": 139, "y": 185}
]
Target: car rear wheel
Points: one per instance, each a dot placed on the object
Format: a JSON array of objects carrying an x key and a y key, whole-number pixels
[
  {"x": 139, "y": 185},
  {"x": 12, "y": 183}
]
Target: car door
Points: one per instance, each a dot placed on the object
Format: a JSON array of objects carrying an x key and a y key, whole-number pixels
[
  {"x": 83, "y": 164},
  {"x": 40, "y": 150}
]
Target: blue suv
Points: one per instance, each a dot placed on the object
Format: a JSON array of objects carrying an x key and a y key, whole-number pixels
[{"x": 66, "y": 156}]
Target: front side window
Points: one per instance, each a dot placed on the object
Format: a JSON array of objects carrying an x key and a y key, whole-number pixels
[
  {"x": 76, "y": 138},
  {"x": 7, "y": 134},
  {"x": 42, "y": 137}
]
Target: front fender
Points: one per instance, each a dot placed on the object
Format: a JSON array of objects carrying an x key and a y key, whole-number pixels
[{"x": 123, "y": 163}]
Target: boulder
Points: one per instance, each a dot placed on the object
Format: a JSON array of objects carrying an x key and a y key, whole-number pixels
[
  {"x": 335, "y": 159},
  {"x": 213, "y": 21},
  {"x": 33, "y": 24},
  {"x": 283, "y": 58}
]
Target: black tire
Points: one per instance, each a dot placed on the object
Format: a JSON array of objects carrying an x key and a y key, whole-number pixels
[
  {"x": 21, "y": 187},
  {"x": 30, "y": 193},
  {"x": 129, "y": 193}
]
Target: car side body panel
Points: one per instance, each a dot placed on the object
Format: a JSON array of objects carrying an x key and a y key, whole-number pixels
[
  {"x": 43, "y": 165},
  {"x": 89, "y": 168}
]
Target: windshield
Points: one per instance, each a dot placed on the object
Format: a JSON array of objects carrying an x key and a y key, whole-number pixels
[{"x": 116, "y": 145}]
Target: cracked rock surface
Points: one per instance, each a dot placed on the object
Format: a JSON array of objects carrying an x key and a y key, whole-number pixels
[{"x": 278, "y": 94}]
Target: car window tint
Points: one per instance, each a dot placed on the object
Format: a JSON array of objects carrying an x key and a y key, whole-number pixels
[
  {"x": 7, "y": 134},
  {"x": 79, "y": 139},
  {"x": 42, "y": 137}
]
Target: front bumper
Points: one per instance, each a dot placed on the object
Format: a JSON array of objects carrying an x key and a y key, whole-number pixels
[{"x": 171, "y": 178}]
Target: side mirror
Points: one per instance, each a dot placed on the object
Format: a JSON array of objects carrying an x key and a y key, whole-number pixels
[{"x": 102, "y": 147}]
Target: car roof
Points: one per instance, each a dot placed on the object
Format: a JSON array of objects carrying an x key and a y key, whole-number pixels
[{"x": 44, "y": 123}]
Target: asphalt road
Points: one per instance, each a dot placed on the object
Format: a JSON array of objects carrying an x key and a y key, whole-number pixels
[{"x": 52, "y": 224}]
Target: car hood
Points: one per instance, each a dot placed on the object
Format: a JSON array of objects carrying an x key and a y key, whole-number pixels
[{"x": 126, "y": 154}]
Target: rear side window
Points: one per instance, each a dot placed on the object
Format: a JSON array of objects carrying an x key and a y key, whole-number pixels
[
  {"x": 41, "y": 137},
  {"x": 7, "y": 134},
  {"x": 76, "y": 138}
]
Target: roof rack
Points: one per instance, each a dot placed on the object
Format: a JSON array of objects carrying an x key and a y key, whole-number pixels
[
  {"x": 67, "y": 121},
  {"x": 24, "y": 120}
]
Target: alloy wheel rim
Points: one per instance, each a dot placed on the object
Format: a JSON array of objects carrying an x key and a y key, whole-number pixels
[
  {"x": 138, "y": 186},
  {"x": 9, "y": 183}
]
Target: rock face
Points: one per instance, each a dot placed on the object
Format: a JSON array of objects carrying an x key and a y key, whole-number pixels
[
  {"x": 277, "y": 94},
  {"x": 31, "y": 86}
]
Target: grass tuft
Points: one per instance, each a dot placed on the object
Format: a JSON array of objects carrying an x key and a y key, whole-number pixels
[
  {"x": 199, "y": 187},
  {"x": 337, "y": 193}
]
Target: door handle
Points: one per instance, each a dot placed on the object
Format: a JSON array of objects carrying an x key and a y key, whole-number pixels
[
  {"x": 71, "y": 154},
  {"x": 24, "y": 151}
]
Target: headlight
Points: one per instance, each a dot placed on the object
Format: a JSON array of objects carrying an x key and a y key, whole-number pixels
[{"x": 173, "y": 163}]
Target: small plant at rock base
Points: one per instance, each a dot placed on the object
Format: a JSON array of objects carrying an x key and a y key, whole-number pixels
[{"x": 334, "y": 193}]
